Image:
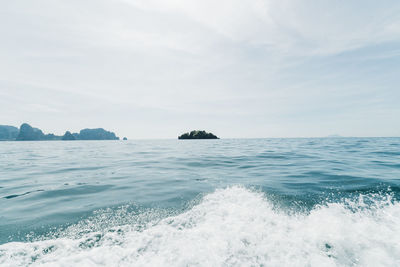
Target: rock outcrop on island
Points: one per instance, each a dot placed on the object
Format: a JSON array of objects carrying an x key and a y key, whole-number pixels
[
  {"x": 68, "y": 136},
  {"x": 29, "y": 133},
  {"x": 96, "y": 134},
  {"x": 198, "y": 135},
  {"x": 8, "y": 133}
]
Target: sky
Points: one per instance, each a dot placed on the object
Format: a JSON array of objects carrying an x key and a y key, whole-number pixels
[{"x": 240, "y": 69}]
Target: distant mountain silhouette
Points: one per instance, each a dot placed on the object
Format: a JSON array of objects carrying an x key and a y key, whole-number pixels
[
  {"x": 96, "y": 134},
  {"x": 68, "y": 136},
  {"x": 8, "y": 132},
  {"x": 29, "y": 133}
]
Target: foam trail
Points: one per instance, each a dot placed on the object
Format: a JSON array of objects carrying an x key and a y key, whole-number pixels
[{"x": 232, "y": 227}]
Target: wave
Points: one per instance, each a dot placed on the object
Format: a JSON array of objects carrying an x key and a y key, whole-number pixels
[{"x": 234, "y": 226}]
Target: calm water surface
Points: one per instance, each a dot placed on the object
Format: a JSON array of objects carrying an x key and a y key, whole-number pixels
[{"x": 273, "y": 202}]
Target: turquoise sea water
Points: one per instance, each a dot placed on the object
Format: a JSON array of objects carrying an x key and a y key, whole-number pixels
[{"x": 237, "y": 202}]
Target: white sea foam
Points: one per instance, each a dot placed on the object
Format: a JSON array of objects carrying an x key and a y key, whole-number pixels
[{"x": 231, "y": 227}]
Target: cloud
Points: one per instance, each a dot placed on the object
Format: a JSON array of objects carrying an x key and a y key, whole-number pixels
[{"x": 259, "y": 63}]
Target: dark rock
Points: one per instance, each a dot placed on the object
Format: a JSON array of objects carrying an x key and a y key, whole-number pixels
[
  {"x": 198, "y": 135},
  {"x": 8, "y": 133},
  {"x": 96, "y": 134},
  {"x": 68, "y": 136},
  {"x": 28, "y": 133}
]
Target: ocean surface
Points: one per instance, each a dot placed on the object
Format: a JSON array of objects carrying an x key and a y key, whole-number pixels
[{"x": 233, "y": 202}]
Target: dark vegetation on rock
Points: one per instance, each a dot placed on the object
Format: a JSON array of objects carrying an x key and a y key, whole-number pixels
[
  {"x": 28, "y": 133},
  {"x": 198, "y": 135}
]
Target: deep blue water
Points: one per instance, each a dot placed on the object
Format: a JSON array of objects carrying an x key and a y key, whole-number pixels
[{"x": 274, "y": 202}]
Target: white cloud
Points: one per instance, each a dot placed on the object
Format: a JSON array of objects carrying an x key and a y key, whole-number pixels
[{"x": 251, "y": 59}]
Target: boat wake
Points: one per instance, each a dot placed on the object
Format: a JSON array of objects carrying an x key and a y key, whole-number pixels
[{"x": 234, "y": 226}]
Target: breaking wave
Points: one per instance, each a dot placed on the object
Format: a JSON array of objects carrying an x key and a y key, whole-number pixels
[{"x": 234, "y": 226}]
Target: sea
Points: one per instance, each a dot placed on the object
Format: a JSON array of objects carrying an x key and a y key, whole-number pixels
[{"x": 227, "y": 202}]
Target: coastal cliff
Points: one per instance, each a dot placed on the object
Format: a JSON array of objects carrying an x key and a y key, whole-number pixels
[
  {"x": 28, "y": 133},
  {"x": 8, "y": 132}
]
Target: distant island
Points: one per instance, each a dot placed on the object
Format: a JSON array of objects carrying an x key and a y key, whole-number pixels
[
  {"x": 198, "y": 135},
  {"x": 29, "y": 133}
]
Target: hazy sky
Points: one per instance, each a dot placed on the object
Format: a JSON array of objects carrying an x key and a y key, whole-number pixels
[{"x": 154, "y": 69}]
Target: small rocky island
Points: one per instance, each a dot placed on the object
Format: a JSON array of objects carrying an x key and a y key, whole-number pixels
[
  {"x": 28, "y": 133},
  {"x": 198, "y": 135}
]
